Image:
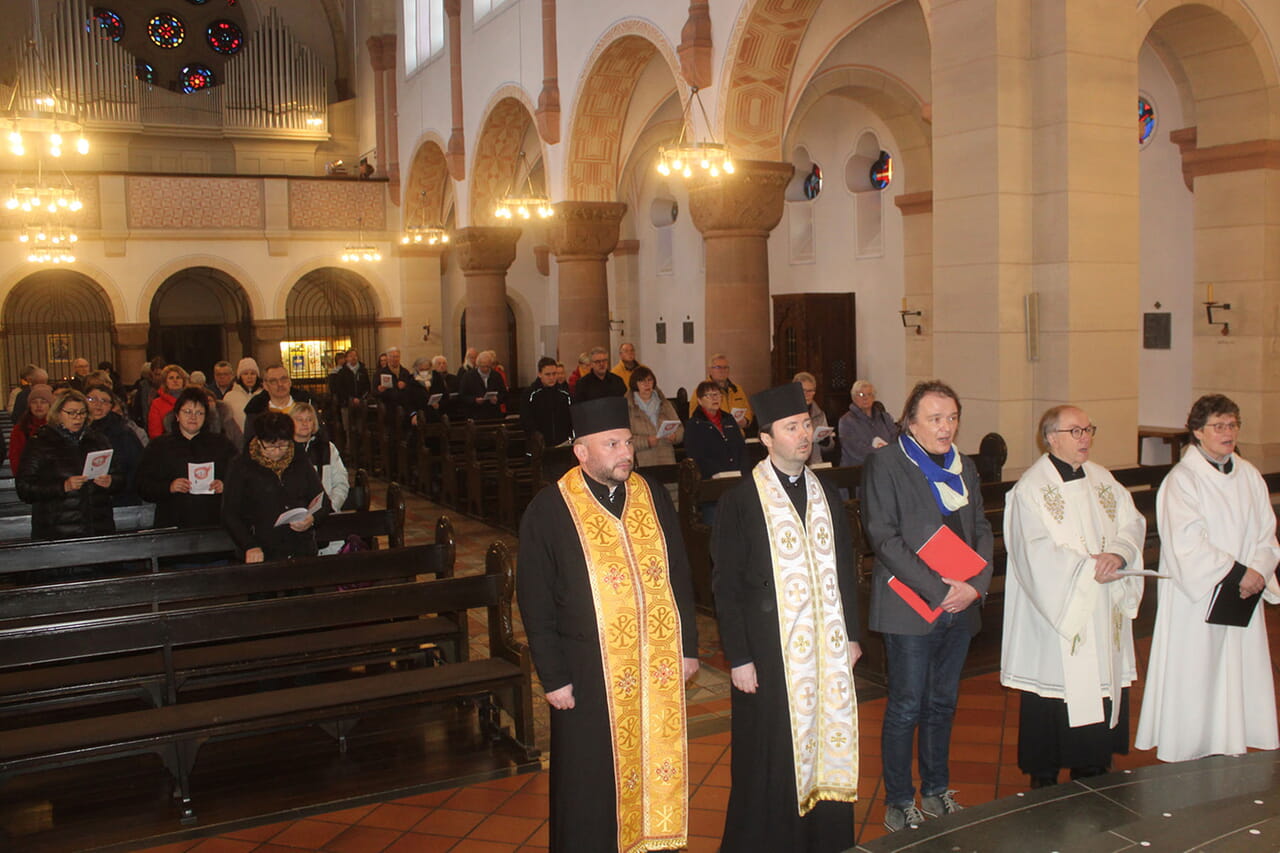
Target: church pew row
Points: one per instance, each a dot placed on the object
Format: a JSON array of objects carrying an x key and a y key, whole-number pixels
[
  {"x": 149, "y": 549},
  {"x": 177, "y": 730}
]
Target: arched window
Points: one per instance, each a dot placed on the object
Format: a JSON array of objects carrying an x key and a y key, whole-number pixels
[
  {"x": 813, "y": 182},
  {"x": 882, "y": 171},
  {"x": 424, "y": 28},
  {"x": 328, "y": 310},
  {"x": 1146, "y": 120},
  {"x": 200, "y": 315},
  {"x": 867, "y": 173},
  {"x": 53, "y": 317}
]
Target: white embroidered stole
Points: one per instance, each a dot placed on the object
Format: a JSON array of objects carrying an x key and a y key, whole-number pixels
[{"x": 815, "y": 649}]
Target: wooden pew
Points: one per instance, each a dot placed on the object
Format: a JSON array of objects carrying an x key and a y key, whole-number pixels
[
  {"x": 146, "y": 550},
  {"x": 177, "y": 731}
]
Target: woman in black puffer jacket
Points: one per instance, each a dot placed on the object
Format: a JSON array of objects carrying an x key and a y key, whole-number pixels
[
  {"x": 164, "y": 474},
  {"x": 264, "y": 481},
  {"x": 64, "y": 504}
]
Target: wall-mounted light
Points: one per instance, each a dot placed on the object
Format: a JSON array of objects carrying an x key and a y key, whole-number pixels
[
  {"x": 905, "y": 313},
  {"x": 1210, "y": 304}
]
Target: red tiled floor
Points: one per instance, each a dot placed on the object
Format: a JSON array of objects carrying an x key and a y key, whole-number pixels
[
  {"x": 474, "y": 846},
  {"x": 309, "y": 834},
  {"x": 449, "y": 822},
  {"x": 394, "y": 816},
  {"x": 412, "y": 842},
  {"x": 477, "y": 799},
  {"x": 224, "y": 845},
  {"x": 363, "y": 839},
  {"x": 526, "y": 805},
  {"x": 259, "y": 833},
  {"x": 499, "y": 827}
]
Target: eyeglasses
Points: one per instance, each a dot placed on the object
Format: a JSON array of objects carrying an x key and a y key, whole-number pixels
[
  {"x": 1080, "y": 432},
  {"x": 719, "y": 367},
  {"x": 276, "y": 445},
  {"x": 101, "y": 401},
  {"x": 191, "y": 413},
  {"x": 865, "y": 394},
  {"x": 1225, "y": 426},
  {"x": 75, "y": 413}
]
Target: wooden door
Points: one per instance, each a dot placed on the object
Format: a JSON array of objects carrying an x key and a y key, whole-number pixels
[{"x": 815, "y": 332}]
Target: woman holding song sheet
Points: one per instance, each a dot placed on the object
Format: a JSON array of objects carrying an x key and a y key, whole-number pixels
[
  {"x": 68, "y": 474},
  {"x": 182, "y": 471}
]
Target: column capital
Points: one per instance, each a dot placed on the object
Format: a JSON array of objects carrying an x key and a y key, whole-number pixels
[
  {"x": 382, "y": 52},
  {"x": 485, "y": 248},
  {"x": 748, "y": 201},
  {"x": 585, "y": 229}
]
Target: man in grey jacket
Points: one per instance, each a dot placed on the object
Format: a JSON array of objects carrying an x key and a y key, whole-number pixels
[{"x": 912, "y": 488}]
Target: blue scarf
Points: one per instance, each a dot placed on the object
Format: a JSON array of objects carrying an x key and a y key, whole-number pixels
[{"x": 933, "y": 472}]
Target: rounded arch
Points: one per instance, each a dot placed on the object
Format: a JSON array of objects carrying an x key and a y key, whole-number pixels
[
  {"x": 377, "y": 286},
  {"x": 1227, "y": 75},
  {"x": 199, "y": 315},
  {"x": 892, "y": 100},
  {"x": 760, "y": 67},
  {"x": 242, "y": 277},
  {"x": 53, "y": 316},
  {"x": 427, "y": 186},
  {"x": 602, "y": 105},
  {"x": 100, "y": 277},
  {"x": 506, "y": 127},
  {"x": 329, "y": 309}
]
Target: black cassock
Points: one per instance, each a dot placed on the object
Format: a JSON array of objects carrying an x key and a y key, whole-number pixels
[
  {"x": 558, "y": 611},
  {"x": 763, "y": 814}
]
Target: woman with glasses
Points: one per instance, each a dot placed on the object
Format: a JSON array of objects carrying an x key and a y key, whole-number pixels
[
  {"x": 264, "y": 481},
  {"x": 866, "y": 426},
  {"x": 124, "y": 441},
  {"x": 64, "y": 503},
  {"x": 1209, "y": 687},
  {"x": 183, "y": 471}
]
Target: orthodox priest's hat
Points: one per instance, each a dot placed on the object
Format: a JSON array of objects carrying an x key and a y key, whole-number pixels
[
  {"x": 600, "y": 415},
  {"x": 775, "y": 404}
]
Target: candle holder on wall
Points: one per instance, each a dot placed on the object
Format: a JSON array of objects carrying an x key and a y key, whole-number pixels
[{"x": 1211, "y": 304}]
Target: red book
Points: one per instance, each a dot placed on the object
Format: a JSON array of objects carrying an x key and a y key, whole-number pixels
[{"x": 948, "y": 555}]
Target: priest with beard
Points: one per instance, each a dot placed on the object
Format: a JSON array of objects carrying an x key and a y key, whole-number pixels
[
  {"x": 607, "y": 601},
  {"x": 784, "y": 569}
]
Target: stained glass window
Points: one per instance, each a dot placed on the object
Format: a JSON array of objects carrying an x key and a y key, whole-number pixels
[
  {"x": 166, "y": 31},
  {"x": 224, "y": 37},
  {"x": 109, "y": 24},
  {"x": 882, "y": 170},
  {"x": 813, "y": 182},
  {"x": 144, "y": 71},
  {"x": 195, "y": 78},
  {"x": 1146, "y": 120}
]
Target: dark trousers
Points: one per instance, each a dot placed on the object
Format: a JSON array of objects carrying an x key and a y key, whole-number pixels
[{"x": 924, "y": 683}]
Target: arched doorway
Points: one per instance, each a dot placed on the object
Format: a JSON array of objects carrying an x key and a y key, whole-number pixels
[
  {"x": 328, "y": 310},
  {"x": 53, "y": 317},
  {"x": 199, "y": 316}
]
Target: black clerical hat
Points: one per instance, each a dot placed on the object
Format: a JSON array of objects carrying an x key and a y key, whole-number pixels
[
  {"x": 775, "y": 404},
  {"x": 600, "y": 415}
]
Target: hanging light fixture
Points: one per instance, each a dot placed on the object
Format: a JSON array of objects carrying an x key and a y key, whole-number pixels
[
  {"x": 520, "y": 199},
  {"x": 38, "y": 119},
  {"x": 422, "y": 233},
  {"x": 360, "y": 250},
  {"x": 687, "y": 153},
  {"x": 48, "y": 244}
]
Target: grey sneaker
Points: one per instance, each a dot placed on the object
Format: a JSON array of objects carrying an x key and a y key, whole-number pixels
[
  {"x": 900, "y": 817},
  {"x": 938, "y": 805}
]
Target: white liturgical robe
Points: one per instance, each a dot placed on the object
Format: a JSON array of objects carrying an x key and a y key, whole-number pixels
[
  {"x": 1066, "y": 636},
  {"x": 1209, "y": 688}
]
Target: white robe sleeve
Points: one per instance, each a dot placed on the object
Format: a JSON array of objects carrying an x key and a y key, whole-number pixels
[
  {"x": 1265, "y": 551},
  {"x": 1184, "y": 529},
  {"x": 334, "y": 478},
  {"x": 1058, "y": 580},
  {"x": 1129, "y": 542}
]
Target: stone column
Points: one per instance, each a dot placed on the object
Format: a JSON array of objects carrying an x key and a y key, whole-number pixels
[
  {"x": 131, "y": 351},
  {"x": 695, "y": 45},
  {"x": 484, "y": 253},
  {"x": 381, "y": 58},
  {"x": 267, "y": 335},
  {"x": 626, "y": 295},
  {"x": 547, "y": 115},
  {"x": 735, "y": 214},
  {"x": 456, "y": 151},
  {"x": 420, "y": 301},
  {"x": 582, "y": 234},
  {"x": 1042, "y": 96}
]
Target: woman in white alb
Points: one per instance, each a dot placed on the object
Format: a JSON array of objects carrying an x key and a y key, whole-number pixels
[{"x": 1209, "y": 688}]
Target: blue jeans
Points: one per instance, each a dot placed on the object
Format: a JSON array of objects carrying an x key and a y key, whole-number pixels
[{"x": 924, "y": 681}]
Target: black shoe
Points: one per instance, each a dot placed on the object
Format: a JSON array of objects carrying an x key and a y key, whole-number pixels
[
  {"x": 1089, "y": 770},
  {"x": 1043, "y": 780}
]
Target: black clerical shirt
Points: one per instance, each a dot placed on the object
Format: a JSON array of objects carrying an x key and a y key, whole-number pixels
[
  {"x": 794, "y": 487},
  {"x": 611, "y": 501}
]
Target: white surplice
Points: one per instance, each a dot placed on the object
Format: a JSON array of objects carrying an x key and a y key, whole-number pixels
[
  {"x": 1209, "y": 688},
  {"x": 1066, "y": 636}
]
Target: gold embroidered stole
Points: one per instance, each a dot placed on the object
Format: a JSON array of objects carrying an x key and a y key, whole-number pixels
[
  {"x": 641, "y": 650},
  {"x": 815, "y": 649}
]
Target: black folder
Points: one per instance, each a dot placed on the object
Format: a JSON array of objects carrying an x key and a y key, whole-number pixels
[{"x": 1226, "y": 607}]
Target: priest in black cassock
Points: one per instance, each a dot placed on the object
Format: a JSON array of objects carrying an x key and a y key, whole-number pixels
[
  {"x": 786, "y": 598},
  {"x": 607, "y": 601}
]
